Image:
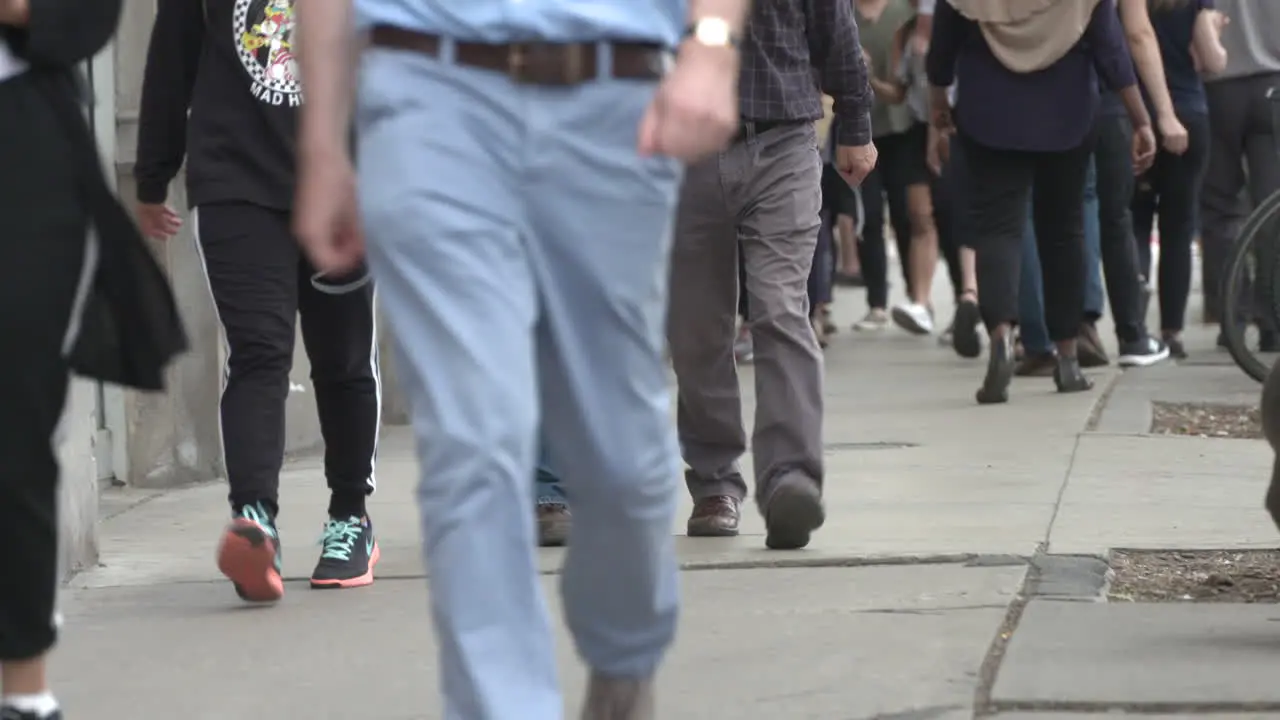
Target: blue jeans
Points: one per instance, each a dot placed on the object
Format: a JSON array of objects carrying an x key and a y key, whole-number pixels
[
  {"x": 484, "y": 203},
  {"x": 548, "y": 490},
  {"x": 1031, "y": 328}
]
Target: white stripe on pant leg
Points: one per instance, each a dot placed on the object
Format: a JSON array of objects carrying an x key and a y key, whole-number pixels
[
  {"x": 372, "y": 480},
  {"x": 222, "y": 333},
  {"x": 84, "y": 287}
]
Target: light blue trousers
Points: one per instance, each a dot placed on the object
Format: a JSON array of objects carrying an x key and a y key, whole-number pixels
[{"x": 520, "y": 246}]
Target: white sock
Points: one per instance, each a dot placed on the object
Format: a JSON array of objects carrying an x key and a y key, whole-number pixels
[{"x": 40, "y": 704}]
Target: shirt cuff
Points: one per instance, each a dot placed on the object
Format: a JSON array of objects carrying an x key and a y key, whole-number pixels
[
  {"x": 152, "y": 193},
  {"x": 853, "y": 128}
]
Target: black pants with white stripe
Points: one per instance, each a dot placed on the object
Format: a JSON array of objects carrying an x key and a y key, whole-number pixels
[
  {"x": 43, "y": 235},
  {"x": 261, "y": 283}
]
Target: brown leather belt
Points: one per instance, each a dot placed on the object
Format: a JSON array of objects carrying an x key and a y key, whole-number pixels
[{"x": 536, "y": 63}]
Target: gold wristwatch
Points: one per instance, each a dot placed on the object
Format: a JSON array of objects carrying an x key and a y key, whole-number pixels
[{"x": 712, "y": 32}]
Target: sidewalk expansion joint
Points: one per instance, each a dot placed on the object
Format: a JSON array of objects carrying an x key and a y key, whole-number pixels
[
  {"x": 990, "y": 668},
  {"x": 1136, "y": 708}
]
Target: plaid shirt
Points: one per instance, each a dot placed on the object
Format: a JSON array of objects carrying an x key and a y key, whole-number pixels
[{"x": 792, "y": 52}]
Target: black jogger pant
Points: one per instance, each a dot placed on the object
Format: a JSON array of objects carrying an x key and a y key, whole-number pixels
[
  {"x": 261, "y": 282},
  {"x": 42, "y": 245},
  {"x": 1000, "y": 184}
]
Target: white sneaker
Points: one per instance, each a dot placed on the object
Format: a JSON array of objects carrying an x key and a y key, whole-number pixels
[
  {"x": 872, "y": 321},
  {"x": 914, "y": 318}
]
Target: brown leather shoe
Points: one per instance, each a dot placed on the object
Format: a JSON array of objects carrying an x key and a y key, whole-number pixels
[
  {"x": 1036, "y": 365},
  {"x": 715, "y": 516},
  {"x": 618, "y": 699},
  {"x": 1089, "y": 347},
  {"x": 554, "y": 521}
]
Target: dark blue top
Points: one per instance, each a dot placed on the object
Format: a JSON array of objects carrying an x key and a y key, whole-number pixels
[
  {"x": 1049, "y": 110},
  {"x": 1175, "y": 28}
]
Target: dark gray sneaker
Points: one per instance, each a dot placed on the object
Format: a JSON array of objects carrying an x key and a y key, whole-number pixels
[{"x": 1142, "y": 353}]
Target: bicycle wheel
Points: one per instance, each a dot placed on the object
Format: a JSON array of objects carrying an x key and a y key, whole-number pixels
[{"x": 1254, "y": 272}]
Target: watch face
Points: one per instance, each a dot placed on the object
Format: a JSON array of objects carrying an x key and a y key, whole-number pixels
[{"x": 713, "y": 31}]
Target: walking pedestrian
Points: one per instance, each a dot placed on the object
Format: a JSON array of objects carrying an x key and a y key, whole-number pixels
[
  {"x": 519, "y": 167},
  {"x": 762, "y": 197},
  {"x": 73, "y": 301},
  {"x": 1189, "y": 32},
  {"x": 1112, "y": 157},
  {"x": 885, "y": 186},
  {"x": 1244, "y": 151},
  {"x": 1028, "y": 84},
  {"x": 221, "y": 89}
]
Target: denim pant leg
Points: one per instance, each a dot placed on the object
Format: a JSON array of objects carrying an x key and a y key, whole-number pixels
[
  {"x": 547, "y": 487},
  {"x": 1032, "y": 330},
  {"x": 1094, "y": 296}
]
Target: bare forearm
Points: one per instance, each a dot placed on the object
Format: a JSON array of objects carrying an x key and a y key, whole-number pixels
[
  {"x": 326, "y": 44},
  {"x": 1145, "y": 50}
]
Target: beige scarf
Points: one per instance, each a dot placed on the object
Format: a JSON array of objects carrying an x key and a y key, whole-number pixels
[{"x": 1029, "y": 35}]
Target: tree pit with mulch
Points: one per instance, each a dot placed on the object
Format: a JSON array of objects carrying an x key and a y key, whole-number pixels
[
  {"x": 1197, "y": 576},
  {"x": 1206, "y": 420}
]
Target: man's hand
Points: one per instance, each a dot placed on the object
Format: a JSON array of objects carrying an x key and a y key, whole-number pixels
[
  {"x": 1144, "y": 148},
  {"x": 855, "y": 162},
  {"x": 158, "y": 221},
  {"x": 695, "y": 111},
  {"x": 325, "y": 218},
  {"x": 1173, "y": 136}
]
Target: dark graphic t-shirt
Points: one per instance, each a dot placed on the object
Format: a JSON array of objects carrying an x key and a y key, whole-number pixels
[{"x": 230, "y": 63}]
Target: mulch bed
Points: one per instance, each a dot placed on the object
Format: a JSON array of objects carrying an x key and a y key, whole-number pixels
[
  {"x": 1234, "y": 576},
  {"x": 1199, "y": 420}
]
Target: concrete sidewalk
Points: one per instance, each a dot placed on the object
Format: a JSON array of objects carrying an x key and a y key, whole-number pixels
[{"x": 936, "y": 508}]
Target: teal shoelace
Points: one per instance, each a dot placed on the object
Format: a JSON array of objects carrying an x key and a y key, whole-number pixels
[
  {"x": 258, "y": 514},
  {"x": 339, "y": 537}
]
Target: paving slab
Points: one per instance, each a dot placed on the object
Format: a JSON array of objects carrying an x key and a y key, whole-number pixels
[
  {"x": 800, "y": 644},
  {"x": 1131, "y": 654},
  {"x": 1132, "y": 716},
  {"x": 1128, "y": 406},
  {"x": 1164, "y": 492}
]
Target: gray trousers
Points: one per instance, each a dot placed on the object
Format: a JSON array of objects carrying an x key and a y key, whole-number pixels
[
  {"x": 1244, "y": 159},
  {"x": 761, "y": 197}
]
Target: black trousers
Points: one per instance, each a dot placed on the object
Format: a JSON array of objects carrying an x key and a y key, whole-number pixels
[
  {"x": 1243, "y": 170},
  {"x": 1114, "y": 163},
  {"x": 42, "y": 249},
  {"x": 1000, "y": 184},
  {"x": 1172, "y": 193},
  {"x": 886, "y": 184},
  {"x": 261, "y": 283},
  {"x": 949, "y": 203}
]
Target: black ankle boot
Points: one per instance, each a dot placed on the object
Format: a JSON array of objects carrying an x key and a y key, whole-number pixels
[
  {"x": 995, "y": 386},
  {"x": 1069, "y": 377}
]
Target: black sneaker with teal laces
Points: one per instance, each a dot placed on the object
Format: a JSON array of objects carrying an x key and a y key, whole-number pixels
[{"x": 348, "y": 554}]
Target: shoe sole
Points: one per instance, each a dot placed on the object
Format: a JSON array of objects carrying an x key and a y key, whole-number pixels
[
  {"x": 904, "y": 320},
  {"x": 695, "y": 529},
  {"x": 794, "y": 511},
  {"x": 1142, "y": 360},
  {"x": 355, "y": 582},
  {"x": 964, "y": 337},
  {"x": 247, "y": 556}
]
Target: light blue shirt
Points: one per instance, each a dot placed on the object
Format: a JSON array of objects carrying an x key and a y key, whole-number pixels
[{"x": 502, "y": 21}]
